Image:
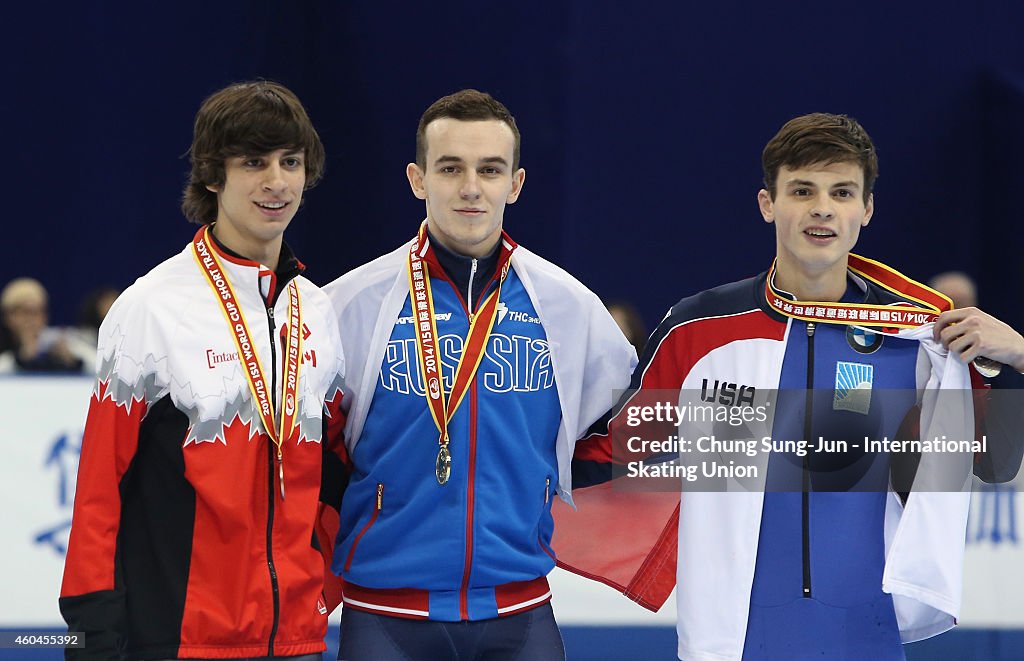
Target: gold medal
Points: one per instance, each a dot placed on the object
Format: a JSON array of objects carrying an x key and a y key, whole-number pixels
[
  {"x": 211, "y": 267},
  {"x": 443, "y": 465},
  {"x": 280, "y": 470}
]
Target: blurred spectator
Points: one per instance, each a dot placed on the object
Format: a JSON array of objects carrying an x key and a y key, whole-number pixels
[
  {"x": 90, "y": 315},
  {"x": 958, "y": 286},
  {"x": 6, "y": 341},
  {"x": 34, "y": 347},
  {"x": 629, "y": 321}
]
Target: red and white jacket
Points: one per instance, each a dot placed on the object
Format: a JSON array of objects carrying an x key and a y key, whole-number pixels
[{"x": 181, "y": 543}]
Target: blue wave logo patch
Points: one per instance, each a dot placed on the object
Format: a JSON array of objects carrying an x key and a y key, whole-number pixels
[{"x": 853, "y": 387}]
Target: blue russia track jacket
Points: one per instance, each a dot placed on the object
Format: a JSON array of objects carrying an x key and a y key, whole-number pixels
[{"x": 476, "y": 547}]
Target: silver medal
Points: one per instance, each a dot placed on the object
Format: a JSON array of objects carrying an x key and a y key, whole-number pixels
[{"x": 443, "y": 465}]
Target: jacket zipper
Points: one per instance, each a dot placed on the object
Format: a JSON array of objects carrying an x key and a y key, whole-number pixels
[
  {"x": 270, "y": 514},
  {"x": 464, "y": 589},
  {"x": 369, "y": 524},
  {"x": 806, "y": 486},
  {"x": 470, "y": 306},
  {"x": 471, "y": 468}
]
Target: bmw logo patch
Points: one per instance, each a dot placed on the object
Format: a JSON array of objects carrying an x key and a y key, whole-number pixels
[{"x": 863, "y": 341}]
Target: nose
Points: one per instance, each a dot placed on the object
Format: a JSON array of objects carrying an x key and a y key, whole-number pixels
[
  {"x": 274, "y": 181},
  {"x": 823, "y": 207},
  {"x": 470, "y": 189}
]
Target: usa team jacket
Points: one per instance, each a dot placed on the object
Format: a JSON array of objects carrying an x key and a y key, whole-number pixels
[
  {"x": 743, "y": 561},
  {"x": 181, "y": 545},
  {"x": 476, "y": 547}
]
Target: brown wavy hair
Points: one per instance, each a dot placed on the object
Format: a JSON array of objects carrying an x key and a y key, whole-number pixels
[{"x": 245, "y": 119}]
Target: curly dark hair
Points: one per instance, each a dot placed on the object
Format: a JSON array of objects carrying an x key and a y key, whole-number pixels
[{"x": 245, "y": 119}]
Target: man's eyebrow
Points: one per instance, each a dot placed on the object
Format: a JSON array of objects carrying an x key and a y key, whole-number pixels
[
  {"x": 799, "y": 182},
  {"x": 299, "y": 151},
  {"x": 806, "y": 182},
  {"x": 455, "y": 159}
]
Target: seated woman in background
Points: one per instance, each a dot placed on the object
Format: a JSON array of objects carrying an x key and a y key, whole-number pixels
[{"x": 33, "y": 346}]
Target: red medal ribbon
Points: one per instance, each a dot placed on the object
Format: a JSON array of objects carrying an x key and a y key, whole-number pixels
[
  {"x": 212, "y": 268},
  {"x": 442, "y": 408},
  {"x": 886, "y": 318}
]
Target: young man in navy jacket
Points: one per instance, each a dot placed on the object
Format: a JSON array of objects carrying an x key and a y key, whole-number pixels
[{"x": 827, "y": 556}]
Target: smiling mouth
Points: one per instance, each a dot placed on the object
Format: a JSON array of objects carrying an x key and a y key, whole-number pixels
[
  {"x": 820, "y": 233},
  {"x": 273, "y": 206}
]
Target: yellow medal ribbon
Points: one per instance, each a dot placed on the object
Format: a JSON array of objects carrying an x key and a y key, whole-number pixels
[
  {"x": 212, "y": 268},
  {"x": 926, "y": 307},
  {"x": 421, "y": 299}
]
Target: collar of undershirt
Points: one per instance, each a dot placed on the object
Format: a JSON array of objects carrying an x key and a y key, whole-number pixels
[
  {"x": 288, "y": 265},
  {"x": 459, "y": 267}
]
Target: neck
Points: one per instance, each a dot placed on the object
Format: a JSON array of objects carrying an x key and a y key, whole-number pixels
[
  {"x": 826, "y": 286},
  {"x": 477, "y": 250},
  {"x": 266, "y": 253},
  {"x": 469, "y": 281},
  {"x": 442, "y": 248}
]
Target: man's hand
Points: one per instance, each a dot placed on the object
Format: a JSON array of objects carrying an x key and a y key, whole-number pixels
[{"x": 970, "y": 333}]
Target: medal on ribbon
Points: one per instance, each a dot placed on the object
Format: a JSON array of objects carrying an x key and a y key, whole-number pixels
[
  {"x": 890, "y": 319},
  {"x": 442, "y": 407},
  {"x": 278, "y": 427},
  {"x": 927, "y": 305}
]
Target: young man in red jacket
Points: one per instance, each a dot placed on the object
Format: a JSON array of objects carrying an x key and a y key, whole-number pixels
[{"x": 200, "y": 473}]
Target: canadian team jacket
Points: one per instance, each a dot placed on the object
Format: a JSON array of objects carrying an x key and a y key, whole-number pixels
[
  {"x": 181, "y": 544},
  {"x": 476, "y": 547},
  {"x": 763, "y": 575}
]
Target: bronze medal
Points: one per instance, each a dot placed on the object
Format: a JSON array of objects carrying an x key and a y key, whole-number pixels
[
  {"x": 987, "y": 367},
  {"x": 443, "y": 465},
  {"x": 922, "y": 305}
]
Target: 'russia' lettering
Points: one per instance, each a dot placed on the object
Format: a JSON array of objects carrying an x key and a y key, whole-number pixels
[{"x": 511, "y": 363}]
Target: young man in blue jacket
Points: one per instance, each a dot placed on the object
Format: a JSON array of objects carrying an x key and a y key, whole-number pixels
[{"x": 475, "y": 365}]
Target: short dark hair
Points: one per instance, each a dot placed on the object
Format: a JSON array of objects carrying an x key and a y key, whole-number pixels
[
  {"x": 244, "y": 119},
  {"x": 820, "y": 138},
  {"x": 465, "y": 105}
]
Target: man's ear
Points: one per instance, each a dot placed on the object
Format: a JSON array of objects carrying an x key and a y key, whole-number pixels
[
  {"x": 415, "y": 176},
  {"x": 869, "y": 210},
  {"x": 765, "y": 204},
  {"x": 518, "y": 179}
]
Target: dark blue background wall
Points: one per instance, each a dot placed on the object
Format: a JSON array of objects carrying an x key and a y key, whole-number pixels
[{"x": 643, "y": 125}]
